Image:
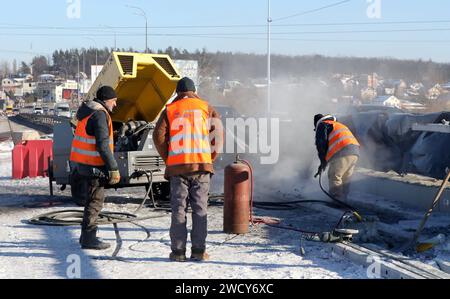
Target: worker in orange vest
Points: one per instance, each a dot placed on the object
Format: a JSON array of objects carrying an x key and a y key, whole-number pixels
[
  {"x": 184, "y": 140},
  {"x": 92, "y": 161},
  {"x": 337, "y": 148}
]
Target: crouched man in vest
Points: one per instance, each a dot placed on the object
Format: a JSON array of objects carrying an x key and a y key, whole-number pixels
[
  {"x": 187, "y": 140},
  {"x": 92, "y": 161},
  {"x": 338, "y": 148}
]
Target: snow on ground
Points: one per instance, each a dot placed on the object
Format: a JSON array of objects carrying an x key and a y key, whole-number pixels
[{"x": 28, "y": 251}]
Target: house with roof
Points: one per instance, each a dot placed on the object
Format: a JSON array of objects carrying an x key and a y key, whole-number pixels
[{"x": 388, "y": 100}]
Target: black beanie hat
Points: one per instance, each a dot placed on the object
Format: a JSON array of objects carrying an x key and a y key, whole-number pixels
[
  {"x": 105, "y": 93},
  {"x": 317, "y": 117},
  {"x": 185, "y": 84}
]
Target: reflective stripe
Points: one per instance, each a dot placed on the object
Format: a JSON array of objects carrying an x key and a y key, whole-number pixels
[
  {"x": 331, "y": 148},
  {"x": 195, "y": 111},
  {"x": 86, "y": 153},
  {"x": 179, "y": 137},
  {"x": 85, "y": 140},
  {"x": 190, "y": 151},
  {"x": 89, "y": 140},
  {"x": 188, "y": 146},
  {"x": 333, "y": 134}
]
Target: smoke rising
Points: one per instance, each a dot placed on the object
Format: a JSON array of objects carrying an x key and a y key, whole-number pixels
[{"x": 294, "y": 102}]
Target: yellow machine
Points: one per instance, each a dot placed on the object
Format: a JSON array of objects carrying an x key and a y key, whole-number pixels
[
  {"x": 144, "y": 84},
  {"x": 9, "y": 108}
]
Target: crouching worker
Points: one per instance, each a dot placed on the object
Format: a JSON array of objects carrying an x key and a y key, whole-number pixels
[
  {"x": 185, "y": 140},
  {"x": 338, "y": 148},
  {"x": 92, "y": 161}
]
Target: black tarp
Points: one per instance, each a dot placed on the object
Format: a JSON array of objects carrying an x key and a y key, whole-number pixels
[{"x": 389, "y": 143}]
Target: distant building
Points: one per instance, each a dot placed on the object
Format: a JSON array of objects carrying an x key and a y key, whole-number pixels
[
  {"x": 95, "y": 71},
  {"x": 46, "y": 91},
  {"x": 66, "y": 92},
  {"x": 412, "y": 106},
  {"x": 389, "y": 101},
  {"x": 46, "y": 78},
  {"x": 188, "y": 68},
  {"x": 446, "y": 86},
  {"x": 434, "y": 92}
]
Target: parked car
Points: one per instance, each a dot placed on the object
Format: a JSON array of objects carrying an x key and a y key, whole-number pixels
[
  {"x": 63, "y": 110},
  {"x": 38, "y": 111}
]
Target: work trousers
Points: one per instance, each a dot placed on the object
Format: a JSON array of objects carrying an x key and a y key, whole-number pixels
[
  {"x": 339, "y": 175},
  {"x": 92, "y": 192},
  {"x": 188, "y": 190}
]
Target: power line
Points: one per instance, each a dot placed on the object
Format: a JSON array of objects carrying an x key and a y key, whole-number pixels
[
  {"x": 312, "y": 11},
  {"x": 99, "y": 28},
  {"x": 228, "y": 33}
]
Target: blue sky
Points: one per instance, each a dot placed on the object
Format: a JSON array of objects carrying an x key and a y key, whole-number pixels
[{"x": 25, "y": 26}]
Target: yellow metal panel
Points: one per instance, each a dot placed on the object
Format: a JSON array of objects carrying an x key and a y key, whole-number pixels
[{"x": 143, "y": 83}]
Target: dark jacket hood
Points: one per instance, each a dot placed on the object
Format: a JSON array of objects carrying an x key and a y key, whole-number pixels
[
  {"x": 325, "y": 118},
  {"x": 89, "y": 107}
]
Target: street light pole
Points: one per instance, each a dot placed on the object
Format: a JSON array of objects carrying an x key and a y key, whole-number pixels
[
  {"x": 146, "y": 34},
  {"x": 96, "y": 49},
  {"x": 142, "y": 14},
  {"x": 78, "y": 79},
  {"x": 115, "y": 35}
]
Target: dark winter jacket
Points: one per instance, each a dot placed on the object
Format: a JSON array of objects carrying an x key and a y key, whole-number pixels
[
  {"x": 324, "y": 130},
  {"x": 97, "y": 126}
]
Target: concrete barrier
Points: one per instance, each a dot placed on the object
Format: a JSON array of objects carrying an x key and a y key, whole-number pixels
[
  {"x": 413, "y": 191},
  {"x": 18, "y": 137}
]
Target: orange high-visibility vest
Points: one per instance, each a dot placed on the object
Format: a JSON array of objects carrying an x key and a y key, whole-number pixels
[
  {"x": 339, "y": 138},
  {"x": 84, "y": 149},
  {"x": 189, "y": 135}
]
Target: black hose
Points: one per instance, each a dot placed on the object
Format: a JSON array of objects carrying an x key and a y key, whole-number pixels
[
  {"x": 149, "y": 191},
  {"x": 341, "y": 203},
  {"x": 75, "y": 217}
]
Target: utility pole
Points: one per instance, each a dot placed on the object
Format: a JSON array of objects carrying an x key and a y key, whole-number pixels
[
  {"x": 78, "y": 79},
  {"x": 96, "y": 49},
  {"x": 269, "y": 23},
  {"x": 96, "y": 55},
  {"x": 143, "y": 14},
  {"x": 115, "y": 35}
]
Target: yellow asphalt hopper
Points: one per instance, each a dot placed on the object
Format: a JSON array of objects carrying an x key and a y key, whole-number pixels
[{"x": 143, "y": 82}]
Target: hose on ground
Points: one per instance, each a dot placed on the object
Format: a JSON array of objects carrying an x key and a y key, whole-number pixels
[{"x": 341, "y": 203}]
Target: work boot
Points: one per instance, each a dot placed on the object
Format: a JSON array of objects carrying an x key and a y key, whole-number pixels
[
  {"x": 199, "y": 255},
  {"x": 89, "y": 240},
  {"x": 177, "y": 256}
]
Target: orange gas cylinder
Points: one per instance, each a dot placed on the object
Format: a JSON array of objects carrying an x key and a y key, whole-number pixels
[{"x": 237, "y": 189}]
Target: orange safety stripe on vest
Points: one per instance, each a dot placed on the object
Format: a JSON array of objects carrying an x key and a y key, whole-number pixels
[
  {"x": 84, "y": 148},
  {"x": 340, "y": 137},
  {"x": 189, "y": 134}
]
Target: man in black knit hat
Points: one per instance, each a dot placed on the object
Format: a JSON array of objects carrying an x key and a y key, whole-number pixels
[{"x": 92, "y": 161}]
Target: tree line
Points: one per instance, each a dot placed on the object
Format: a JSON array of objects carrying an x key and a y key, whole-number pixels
[{"x": 245, "y": 66}]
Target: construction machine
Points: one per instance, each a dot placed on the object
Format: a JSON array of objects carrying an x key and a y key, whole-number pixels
[{"x": 144, "y": 83}]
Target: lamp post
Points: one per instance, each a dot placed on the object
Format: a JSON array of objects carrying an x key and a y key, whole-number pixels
[
  {"x": 78, "y": 79},
  {"x": 143, "y": 14},
  {"x": 115, "y": 35},
  {"x": 96, "y": 49}
]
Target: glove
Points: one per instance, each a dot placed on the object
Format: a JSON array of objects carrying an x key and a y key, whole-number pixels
[{"x": 114, "y": 177}]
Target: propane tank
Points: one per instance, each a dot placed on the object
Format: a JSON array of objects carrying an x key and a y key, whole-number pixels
[{"x": 237, "y": 188}]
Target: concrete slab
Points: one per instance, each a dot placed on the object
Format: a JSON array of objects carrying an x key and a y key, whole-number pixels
[
  {"x": 443, "y": 265},
  {"x": 382, "y": 265},
  {"x": 416, "y": 192}
]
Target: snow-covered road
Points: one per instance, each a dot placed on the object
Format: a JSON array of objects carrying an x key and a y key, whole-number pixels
[{"x": 28, "y": 251}]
